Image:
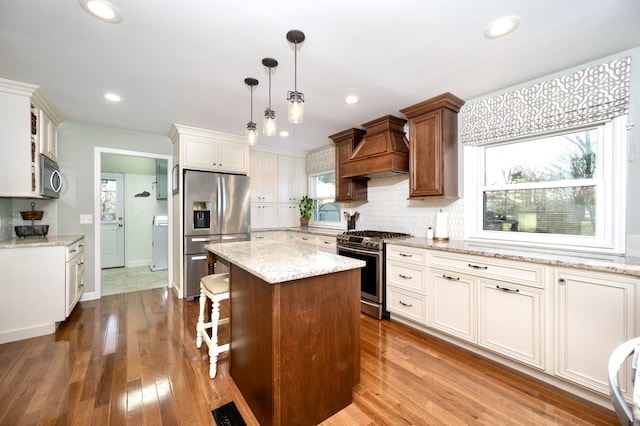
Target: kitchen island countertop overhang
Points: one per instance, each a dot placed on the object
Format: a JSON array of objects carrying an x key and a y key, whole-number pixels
[{"x": 276, "y": 262}]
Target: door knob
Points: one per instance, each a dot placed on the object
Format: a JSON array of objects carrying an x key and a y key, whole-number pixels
[{"x": 120, "y": 225}]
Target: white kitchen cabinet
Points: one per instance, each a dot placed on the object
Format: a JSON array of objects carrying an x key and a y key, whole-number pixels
[
  {"x": 406, "y": 277},
  {"x": 202, "y": 149},
  {"x": 74, "y": 279},
  {"x": 288, "y": 215},
  {"x": 594, "y": 313},
  {"x": 279, "y": 236},
  {"x": 23, "y": 136},
  {"x": 264, "y": 177},
  {"x": 327, "y": 244},
  {"x": 453, "y": 303},
  {"x": 511, "y": 321},
  {"x": 292, "y": 178},
  {"x": 41, "y": 284},
  {"x": 304, "y": 240},
  {"x": 263, "y": 216},
  {"x": 47, "y": 135}
]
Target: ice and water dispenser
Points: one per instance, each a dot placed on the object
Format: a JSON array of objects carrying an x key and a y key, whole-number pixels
[{"x": 201, "y": 215}]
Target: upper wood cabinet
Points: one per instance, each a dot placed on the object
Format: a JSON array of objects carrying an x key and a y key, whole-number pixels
[
  {"x": 433, "y": 147},
  {"x": 348, "y": 189}
]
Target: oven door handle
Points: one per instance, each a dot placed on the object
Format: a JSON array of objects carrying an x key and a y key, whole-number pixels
[{"x": 355, "y": 250}]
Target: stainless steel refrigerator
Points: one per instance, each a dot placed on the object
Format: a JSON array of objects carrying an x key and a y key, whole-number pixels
[{"x": 216, "y": 209}]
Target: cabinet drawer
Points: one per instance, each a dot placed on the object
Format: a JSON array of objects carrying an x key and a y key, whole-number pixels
[
  {"x": 74, "y": 249},
  {"x": 304, "y": 239},
  {"x": 406, "y": 276},
  {"x": 407, "y": 304},
  {"x": 407, "y": 254},
  {"x": 507, "y": 270},
  {"x": 327, "y": 243}
]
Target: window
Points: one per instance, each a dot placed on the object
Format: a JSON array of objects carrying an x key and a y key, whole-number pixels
[
  {"x": 564, "y": 189},
  {"x": 322, "y": 188}
]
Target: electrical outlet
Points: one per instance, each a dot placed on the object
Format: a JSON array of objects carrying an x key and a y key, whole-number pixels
[{"x": 86, "y": 218}]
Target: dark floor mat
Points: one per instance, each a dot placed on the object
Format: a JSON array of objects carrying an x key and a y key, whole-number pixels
[{"x": 228, "y": 415}]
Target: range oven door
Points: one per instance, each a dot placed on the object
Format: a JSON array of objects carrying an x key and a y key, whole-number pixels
[{"x": 371, "y": 290}]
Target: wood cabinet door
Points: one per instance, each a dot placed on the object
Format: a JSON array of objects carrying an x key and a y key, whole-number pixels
[{"x": 426, "y": 157}]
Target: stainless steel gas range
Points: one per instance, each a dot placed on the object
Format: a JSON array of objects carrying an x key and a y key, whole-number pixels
[{"x": 369, "y": 247}]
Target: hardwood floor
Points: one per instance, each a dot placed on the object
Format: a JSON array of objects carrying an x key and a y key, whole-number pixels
[{"x": 131, "y": 359}]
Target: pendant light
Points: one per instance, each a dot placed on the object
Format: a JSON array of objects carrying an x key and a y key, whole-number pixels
[
  {"x": 269, "y": 125},
  {"x": 252, "y": 134},
  {"x": 295, "y": 98}
]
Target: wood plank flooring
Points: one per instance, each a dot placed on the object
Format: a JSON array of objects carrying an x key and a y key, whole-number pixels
[{"x": 130, "y": 359}]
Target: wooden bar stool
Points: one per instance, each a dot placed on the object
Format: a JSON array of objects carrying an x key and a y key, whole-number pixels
[{"x": 216, "y": 288}]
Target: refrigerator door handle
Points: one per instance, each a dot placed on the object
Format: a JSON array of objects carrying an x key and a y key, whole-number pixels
[
  {"x": 198, "y": 240},
  {"x": 198, "y": 257}
]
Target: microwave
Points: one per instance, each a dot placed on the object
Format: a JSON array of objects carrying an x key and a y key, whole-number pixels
[{"x": 50, "y": 178}]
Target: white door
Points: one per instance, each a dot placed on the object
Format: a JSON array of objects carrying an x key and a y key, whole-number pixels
[{"x": 112, "y": 220}]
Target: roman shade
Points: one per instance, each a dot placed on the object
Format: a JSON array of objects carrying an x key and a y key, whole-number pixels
[{"x": 588, "y": 96}]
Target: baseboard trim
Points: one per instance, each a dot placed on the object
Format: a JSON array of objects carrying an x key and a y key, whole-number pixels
[{"x": 27, "y": 333}]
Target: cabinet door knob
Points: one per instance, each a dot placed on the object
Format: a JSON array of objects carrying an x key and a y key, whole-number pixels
[{"x": 561, "y": 281}]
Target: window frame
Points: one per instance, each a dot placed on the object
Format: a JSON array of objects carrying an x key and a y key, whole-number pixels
[
  {"x": 610, "y": 206},
  {"x": 338, "y": 225}
]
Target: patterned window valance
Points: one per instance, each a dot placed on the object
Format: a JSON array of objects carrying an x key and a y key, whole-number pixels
[
  {"x": 321, "y": 161},
  {"x": 587, "y": 96}
]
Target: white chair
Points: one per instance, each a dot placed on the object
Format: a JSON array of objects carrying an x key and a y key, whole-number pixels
[
  {"x": 616, "y": 360},
  {"x": 216, "y": 288}
]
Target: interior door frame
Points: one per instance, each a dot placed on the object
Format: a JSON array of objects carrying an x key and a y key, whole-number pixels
[{"x": 97, "y": 179}]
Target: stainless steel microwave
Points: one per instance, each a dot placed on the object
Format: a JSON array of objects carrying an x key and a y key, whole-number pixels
[{"x": 50, "y": 178}]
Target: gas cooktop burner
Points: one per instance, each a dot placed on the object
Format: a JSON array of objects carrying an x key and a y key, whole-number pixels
[
  {"x": 366, "y": 239},
  {"x": 376, "y": 234}
]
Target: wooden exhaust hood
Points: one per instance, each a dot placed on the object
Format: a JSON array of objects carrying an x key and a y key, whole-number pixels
[{"x": 383, "y": 151}]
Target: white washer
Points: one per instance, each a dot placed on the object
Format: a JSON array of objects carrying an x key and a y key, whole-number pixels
[{"x": 160, "y": 243}]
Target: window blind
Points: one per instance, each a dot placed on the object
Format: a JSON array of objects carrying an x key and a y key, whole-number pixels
[{"x": 588, "y": 96}]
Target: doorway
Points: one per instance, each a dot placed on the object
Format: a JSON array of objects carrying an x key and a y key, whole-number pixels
[{"x": 127, "y": 200}]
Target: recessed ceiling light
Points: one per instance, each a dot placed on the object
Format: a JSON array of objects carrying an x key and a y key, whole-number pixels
[
  {"x": 113, "y": 97},
  {"x": 502, "y": 26},
  {"x": 351, "y": 99},
  {"x": 284, "y": 133},
  {"x": 102, "y": 10}
]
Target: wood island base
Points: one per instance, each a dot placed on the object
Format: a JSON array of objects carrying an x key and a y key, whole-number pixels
[{"x": 295, "y": 346}]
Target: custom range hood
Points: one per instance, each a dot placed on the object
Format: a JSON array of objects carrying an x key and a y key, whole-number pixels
[{"x": 383, "y": 151}]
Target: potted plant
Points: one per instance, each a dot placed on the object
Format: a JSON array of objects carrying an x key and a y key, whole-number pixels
[{"x": 306, "y": 210}]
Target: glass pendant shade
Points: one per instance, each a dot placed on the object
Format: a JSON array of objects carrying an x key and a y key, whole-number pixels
[
  {"x": 296, "y": 107},
  {"x": 269, "y": 124},
  {"x": 252, "y": 133},
  {"x": 295, "y": 98}
]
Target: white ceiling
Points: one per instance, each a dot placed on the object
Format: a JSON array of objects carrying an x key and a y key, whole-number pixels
[{"x": 185, "y": 61}]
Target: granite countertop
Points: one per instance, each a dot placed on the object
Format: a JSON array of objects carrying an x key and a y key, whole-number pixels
[
  {"x": 51, "y": 240},
  {"x": 629, "y": 265},
  {"x": 276, "y": 262}
]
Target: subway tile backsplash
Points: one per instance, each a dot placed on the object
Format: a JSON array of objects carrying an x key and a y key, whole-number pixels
[{"x": 388, "y": 209}]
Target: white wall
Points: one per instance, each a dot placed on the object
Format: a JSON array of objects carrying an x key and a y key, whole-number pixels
[
  {"x": 77, "y": 143},
  {"x": 139, "y": 213}
]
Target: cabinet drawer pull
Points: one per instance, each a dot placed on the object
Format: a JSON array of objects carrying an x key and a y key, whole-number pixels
[
  {"x": 509, "y": 290},
  {"x": 327, "y": 242},
  {"x": 477, "y": 266},
  {"x": 405, "y": 255},
  {"x": 305, "y": 239},
  {"x": 258, "y": 238},
  {"x": 451, "y": 278},
  {"x": 73, "y": 251},
  {"x": 405, "y": 277},
  {"x": 408, "y": 305}
]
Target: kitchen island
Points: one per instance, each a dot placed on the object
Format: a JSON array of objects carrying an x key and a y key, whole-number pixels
[{"x": 295, "y": 329}]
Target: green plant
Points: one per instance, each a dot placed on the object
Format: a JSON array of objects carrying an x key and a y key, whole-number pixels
[{"x": 306, "y": 207}]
